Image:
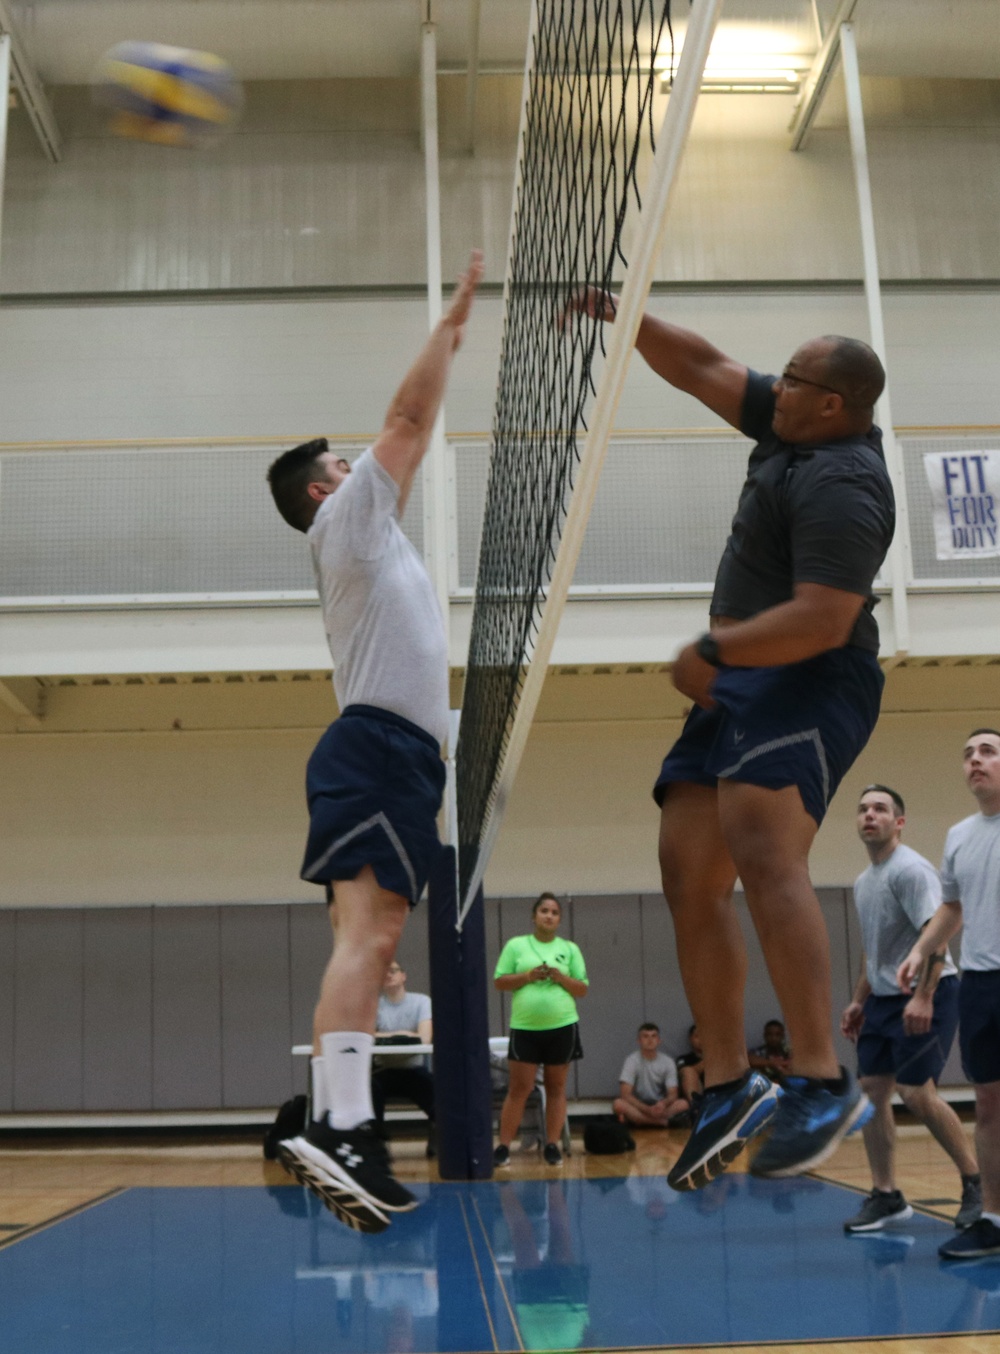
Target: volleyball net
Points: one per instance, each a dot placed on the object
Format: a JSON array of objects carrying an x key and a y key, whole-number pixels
[{"x": 586, "y": 129}]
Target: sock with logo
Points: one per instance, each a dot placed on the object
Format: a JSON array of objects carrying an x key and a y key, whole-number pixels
[{"x": 347, "y": 1062}]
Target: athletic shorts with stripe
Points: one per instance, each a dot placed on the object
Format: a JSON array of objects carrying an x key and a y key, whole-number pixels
[
  {"x": 374, "y": 785},
  {"x": 801, "y": 724}
]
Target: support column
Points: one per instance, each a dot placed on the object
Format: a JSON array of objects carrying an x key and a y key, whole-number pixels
[{"x": 900, "y": 566}]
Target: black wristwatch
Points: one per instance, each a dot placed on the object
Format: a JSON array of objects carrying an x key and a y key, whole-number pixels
[{"x": 707, "y": 648}]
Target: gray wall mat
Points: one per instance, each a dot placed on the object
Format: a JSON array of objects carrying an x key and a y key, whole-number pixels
[
  {"x": 8, "y": 925},
  {"x": 187, "y": 1008},
  {"x": 310, "y": 944},
  {"x": 118, "y": 1009},
  {"x": 256, "y": 1007},
  {"x": 610, "y": 939},
  {"x": 48, "y": 1010}
]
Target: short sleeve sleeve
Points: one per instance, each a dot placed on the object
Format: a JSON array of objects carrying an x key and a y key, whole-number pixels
[
  {"x": 670, "y": 1073},
  {"x": 423, "y": 1007},
  {"x": 627, "y": 1073},
  {"x": 841, "y": 526},
  {"x": 369, "y": 505},
  {"x": 919, "y": 892},
  {"x": 577, "y": 968},
  {"x": 758, "y": 406},
  {"x": 949, "y": 884},
  {"x": 507, "y": 963}
]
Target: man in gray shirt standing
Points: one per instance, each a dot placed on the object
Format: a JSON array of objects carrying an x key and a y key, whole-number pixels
[
  {"x": 970, "y": 889},
  {"x": 903, "y": 1039},
  {"x": 375, "y": 779}
]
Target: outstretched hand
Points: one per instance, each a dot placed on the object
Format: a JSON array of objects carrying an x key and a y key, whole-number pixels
[
  {"x": 461, "y": 301},
  {"x": 592, "y": 301}
]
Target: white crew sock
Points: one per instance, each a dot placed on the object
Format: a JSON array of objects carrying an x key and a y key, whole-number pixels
[
  {"x": 347, "y": 1062},
  {"x": 319, "y": 1100}
]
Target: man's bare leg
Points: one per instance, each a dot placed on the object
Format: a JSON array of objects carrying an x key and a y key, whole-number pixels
[
  {"x": 880, "y": 1132},
  {"x": 988, "y": 1142},
  {"x": 698, "y": 877},
  {"x": 769, "y": 835},
  {"x": 945, "y": 1125}
]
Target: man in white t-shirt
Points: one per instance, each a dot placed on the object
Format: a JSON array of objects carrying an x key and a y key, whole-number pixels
[
  {"x": 970, "y": 889},
  {"x": 647, "y": 1087},
  {"x": 401, "y": 1017},
  {"x": 903, "y": 1039},
  {"x": 375, "y": 779}
]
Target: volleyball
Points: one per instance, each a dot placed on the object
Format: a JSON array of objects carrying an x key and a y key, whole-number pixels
[{"x": 167, "y": 95}]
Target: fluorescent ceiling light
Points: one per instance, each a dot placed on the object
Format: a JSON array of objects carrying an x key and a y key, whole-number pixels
[{"x": 739, "y": 62}]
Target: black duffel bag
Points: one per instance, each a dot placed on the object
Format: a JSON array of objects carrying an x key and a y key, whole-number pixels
[{"x": 607, "y": 1137}]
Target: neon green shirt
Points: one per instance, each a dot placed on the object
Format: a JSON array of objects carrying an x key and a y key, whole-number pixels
[{"x": 545, "y": 1005}]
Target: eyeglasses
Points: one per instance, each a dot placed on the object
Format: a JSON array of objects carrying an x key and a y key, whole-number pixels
[{"x": 789, "y": 379}]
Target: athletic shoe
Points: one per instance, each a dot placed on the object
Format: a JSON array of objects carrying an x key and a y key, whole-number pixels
[
  {"x": 879, "y": 1207},
  {"x": 342, "y": 1202},
  {"x": 501, "y": 1155},
  {"x": 972, "y": 1202},
  {"x": 354, "y": 1159},
  {"x": 982, "y": 1238},
  {"x": 810, "y": 1125},
  {"x": 552, "y": 1154},
  {"x": 727, "y": 1120}
]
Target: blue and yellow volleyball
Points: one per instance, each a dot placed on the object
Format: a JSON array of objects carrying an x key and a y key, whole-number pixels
[{"x": 167, "y": 95}]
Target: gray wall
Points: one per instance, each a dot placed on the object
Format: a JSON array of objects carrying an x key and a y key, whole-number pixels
[{"x": 196, "y": 1008}]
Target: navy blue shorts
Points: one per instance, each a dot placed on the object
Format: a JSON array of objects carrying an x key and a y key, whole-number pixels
[
  {"x": 374, "y": 784},
  {"x": 886, "y": 1050},
  {"x": 979, "y": 1025},
  {"x": 803, "y": 724}
]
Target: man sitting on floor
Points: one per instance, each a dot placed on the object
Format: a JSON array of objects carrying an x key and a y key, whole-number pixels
[
  {"x": 648, "y": 1095},
  {"x": 401, "y": 1014}
]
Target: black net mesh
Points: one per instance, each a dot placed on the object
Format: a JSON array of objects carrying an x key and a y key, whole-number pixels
[{"x": 589, "y": 109}]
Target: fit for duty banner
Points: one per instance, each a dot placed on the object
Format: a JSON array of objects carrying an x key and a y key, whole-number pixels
[{"x": 965, "y": 497}]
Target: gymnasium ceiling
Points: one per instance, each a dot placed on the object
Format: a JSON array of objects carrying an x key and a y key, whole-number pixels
[{"x": 324, "y": 39}]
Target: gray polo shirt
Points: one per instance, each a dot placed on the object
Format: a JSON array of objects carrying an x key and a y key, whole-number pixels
[
  {"x": 401, "y": 1017},
  {"x": 383, "y": 622},
  {"x": 650, "y": 1078},
  {"x": 895, "y": 900},
  {"x": 970, "y": 874}
]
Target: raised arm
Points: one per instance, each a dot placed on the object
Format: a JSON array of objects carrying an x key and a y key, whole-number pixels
[
  {"x": 684, "y": 359},
  {"x": 406, "y": 433}
]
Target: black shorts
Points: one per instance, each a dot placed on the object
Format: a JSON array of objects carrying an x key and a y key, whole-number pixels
[
  {"x": 546, "y": 1048},
  {"x": 374, "y": 785},
  {"x": 886, "y": 1050},
  {"x": 979, "y": 1025},
  {"x": 803, "y": 724}
]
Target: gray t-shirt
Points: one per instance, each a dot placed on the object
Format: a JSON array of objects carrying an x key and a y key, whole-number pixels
[
  {"x": 970, "y": 874},
  {"x": 650, "y": 1078},
  {"x": 895, "y": 900},
  {"x": 401, "y": 1016},
  {"x": 383, "y": 622}
]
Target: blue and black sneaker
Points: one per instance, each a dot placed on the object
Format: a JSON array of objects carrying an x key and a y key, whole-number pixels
[
  {"x": 813, "y": 1119},
  {"x": 728, "y": 1117}
]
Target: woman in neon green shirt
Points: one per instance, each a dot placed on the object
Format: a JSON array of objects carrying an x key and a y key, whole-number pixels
[{"x": 545, "y": 975}]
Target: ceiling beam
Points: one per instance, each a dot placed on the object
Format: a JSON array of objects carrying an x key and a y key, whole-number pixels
[
  {"x": 29, "y": 87},
  {"x": 815, "y": 84}
]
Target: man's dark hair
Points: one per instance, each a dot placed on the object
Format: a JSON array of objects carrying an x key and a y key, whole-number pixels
[
  {"x": 545, "y": 898},
  {"x": 854, "y": 371},
  {"x": 780, "y": 1024},
  {"x": 290, "y": 476},
  {"x": 648, "y": 1025},
  {"x": 896, "y": 798},
  {"x": 976, "y": 732}
]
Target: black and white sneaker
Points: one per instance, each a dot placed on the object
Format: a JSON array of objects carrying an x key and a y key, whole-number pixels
[
  {"x": 501, "y": 1155},
  {"x": 982, "y": 1238},
  {"x": 879, "y": 1207},
  {"x": 353, "y": 1162},
  {"x": 342, "y": 1202},
  {"x": 552, "y": 1154}
]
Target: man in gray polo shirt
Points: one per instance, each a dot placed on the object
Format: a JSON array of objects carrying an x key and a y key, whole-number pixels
[
  {"x": 647, "y": 1086},
  {"x": 903, "y": 1039},
  {"x": 970, "y": 889},
  {"x": 403, "y": 1017}
]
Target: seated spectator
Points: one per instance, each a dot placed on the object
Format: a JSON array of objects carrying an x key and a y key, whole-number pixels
[
  {"x": 648, "y": 1086},
  {"x": 773, "y": 1057},
  {"x": 691, "y": 1069},
  {"x": 401, "y": 1014}
]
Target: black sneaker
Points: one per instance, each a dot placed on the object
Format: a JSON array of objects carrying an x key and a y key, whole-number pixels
[
  {"x": 811, "y": 1123},
  {"x": 357, "y": 1158},
  {"x": 727, "y": 1120},
  {"x": 982, "y": 1238},
  {"x": 972, "y": 1202},
  {"x": 501, "y": 1155},
  {"x": 880, "y": 1207},
  {"x": 552, "y": 1154},
  {"x": 343, "y": 1203}
]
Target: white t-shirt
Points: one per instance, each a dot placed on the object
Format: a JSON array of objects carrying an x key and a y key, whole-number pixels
[
  {"x": 970, "y": 874},
  {"x": 895, "y": 900},
  {"x": 383, "y": 622},
  {"x": 650, "y": 1078}
]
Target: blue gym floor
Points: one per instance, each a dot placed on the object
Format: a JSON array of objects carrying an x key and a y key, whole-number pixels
[{"x": 592, "y": 1264}]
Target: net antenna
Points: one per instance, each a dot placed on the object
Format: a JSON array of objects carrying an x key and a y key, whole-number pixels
[{"x": 588, "y": 94}]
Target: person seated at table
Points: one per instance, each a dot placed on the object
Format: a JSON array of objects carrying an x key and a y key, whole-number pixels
[
  {"x": 400, "y": 1014},
  {"x": 773, "y": 1057},
  {"x": 648, "y": 1096}
]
